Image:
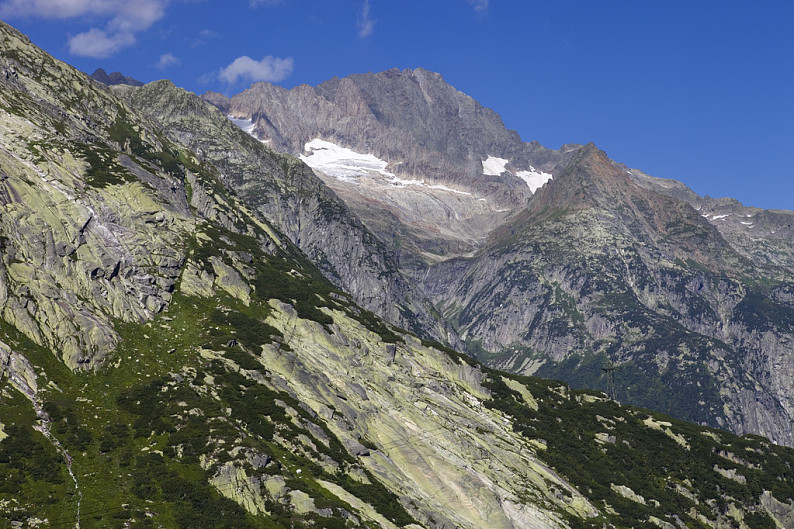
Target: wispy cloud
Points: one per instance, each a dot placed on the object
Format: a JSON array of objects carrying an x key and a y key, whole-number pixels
[
  {"x": 366, "y": 26},
  {"x": 257, "y": 3},
  {"x": 481, "y": 6},
  {"x": 126, "y": 19},
  {"x": 270, "y": 69},
  {"x": 202, "y": 37},
  {"x": 166, "y": 60}
]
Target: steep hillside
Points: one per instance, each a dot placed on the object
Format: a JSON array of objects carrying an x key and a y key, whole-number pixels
[
  {"x": 169, "y": 358},
  {"x": 599, "y": 270}
]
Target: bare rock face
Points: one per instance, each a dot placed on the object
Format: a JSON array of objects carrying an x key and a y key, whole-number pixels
[
  {"x": 17, "y": 369},
  {"x": 765, "y": 237},
  {"x": 217, "y": 100},
  {"x": 446, "y": 171},
  {"x": 88, "y": 234},
  {"x": 114, "y": 78}
]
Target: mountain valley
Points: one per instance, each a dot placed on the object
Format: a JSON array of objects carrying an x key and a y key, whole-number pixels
[{"x": 262, "y": 322}]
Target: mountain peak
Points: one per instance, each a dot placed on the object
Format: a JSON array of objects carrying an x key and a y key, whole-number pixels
[
  {"x": 218, "y": 100},
  {"x": 590, "y": 179},
  {"x": 114, "y": 78}
]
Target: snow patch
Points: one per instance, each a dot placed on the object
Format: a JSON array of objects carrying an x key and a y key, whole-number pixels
[
  {"x": 246, "y": 124},
  {"x": 445, "y": 188},
  {"x": 494, "y": 166},
  {"x": 534, "y": 178},
  {"x": 710, "y": 216}
]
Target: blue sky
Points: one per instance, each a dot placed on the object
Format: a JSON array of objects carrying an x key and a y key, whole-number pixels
[{"x": 700, "y": 91}]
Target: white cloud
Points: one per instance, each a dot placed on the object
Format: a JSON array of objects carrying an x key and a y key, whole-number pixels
[
  {"x": 366, "y": 26},
  {"x": 271, "y": 69},
  {"x": 256, "y": 3},
  {"x": 99, "y": 44},
  {"x": 126, "y": 19},
  {"x": 166, "y": 60}
]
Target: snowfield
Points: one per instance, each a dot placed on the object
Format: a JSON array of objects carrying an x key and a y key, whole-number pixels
[
  {"x": 340, "y": 162},
  {"x": 349, "y": 165},
  {"x": 534, "y": 178},
  {"x": 494, "y": 166}
]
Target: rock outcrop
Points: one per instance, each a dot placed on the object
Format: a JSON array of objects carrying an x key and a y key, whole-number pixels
[{"x": 114, "y": 78}]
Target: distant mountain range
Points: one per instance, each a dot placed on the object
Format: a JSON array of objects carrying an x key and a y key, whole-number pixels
[{"x": 114, "y": 78}]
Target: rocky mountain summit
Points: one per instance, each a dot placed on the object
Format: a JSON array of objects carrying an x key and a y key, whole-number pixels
[
  {"x": 555, "y": 262},
  {"x": 175, "y": 352},
  {"x": 454, "y": 171},
  {"x": 296, "y": 202},
  {"x": 114, "y": 78}
]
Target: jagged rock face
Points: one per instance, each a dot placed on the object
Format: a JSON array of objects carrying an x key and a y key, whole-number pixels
[
  {"x": 217, "y": 100},
  {"x": 78, "y": 253},
  {"x": 763, "y": 236},
  {"x": 288, "y": 194},
  {"x": 599, "y": 268},
  {"x": 442, "y": 187}
]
